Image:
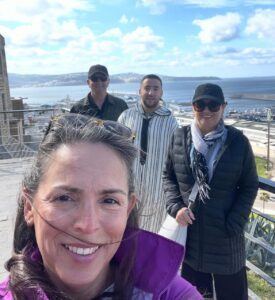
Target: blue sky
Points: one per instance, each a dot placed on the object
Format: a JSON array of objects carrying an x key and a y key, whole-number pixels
[{"x": 225, "y": 38}]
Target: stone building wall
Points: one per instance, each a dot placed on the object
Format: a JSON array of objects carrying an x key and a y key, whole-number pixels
[{"x": 5, "y": 103}]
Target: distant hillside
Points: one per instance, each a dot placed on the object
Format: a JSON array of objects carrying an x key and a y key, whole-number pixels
[{"x": 21, "y": 80}]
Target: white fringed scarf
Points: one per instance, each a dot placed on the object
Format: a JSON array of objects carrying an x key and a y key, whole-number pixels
[{"x": 203, "y": 154}]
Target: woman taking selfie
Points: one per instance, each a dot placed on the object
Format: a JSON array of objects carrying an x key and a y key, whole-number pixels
[
  {"x": 211, "y": 168},
  {"x": 76, "y": 234}
]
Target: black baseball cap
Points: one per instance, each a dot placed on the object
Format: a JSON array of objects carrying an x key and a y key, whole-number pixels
[
  {"x": 209, "y": 91},
  {"x": 98, "y": 69}
]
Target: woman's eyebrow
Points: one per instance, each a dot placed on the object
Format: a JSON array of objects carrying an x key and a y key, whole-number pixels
[
  {"x": 113, "y": 191},
  {"x": 103, "y": 192},
  {"x": 68, "y": 188}
]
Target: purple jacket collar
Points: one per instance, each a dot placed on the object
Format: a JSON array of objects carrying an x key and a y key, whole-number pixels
[
  {"x": 157, "y": 260},
  {"x": 156, "y": 264}
]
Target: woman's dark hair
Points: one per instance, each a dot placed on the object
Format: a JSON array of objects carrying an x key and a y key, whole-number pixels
[{"x": 27, "y": 274}]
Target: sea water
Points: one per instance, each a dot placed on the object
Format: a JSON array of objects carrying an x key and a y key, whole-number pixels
[{"x": 175, "y": 92}]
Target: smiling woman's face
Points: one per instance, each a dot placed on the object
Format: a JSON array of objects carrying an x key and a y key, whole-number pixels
[
  {"x": 207, "y": 120},
  {"x": 84, "y": 193}
]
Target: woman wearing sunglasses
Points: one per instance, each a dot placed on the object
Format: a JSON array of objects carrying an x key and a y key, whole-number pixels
[
  {"x": 76, "y": 234},
  {"x": 210, "y": 181}
]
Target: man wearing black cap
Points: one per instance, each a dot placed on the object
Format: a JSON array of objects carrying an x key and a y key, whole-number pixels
[
  {"x": 98, "y": 103},
  {"x": 210, "y": 182}
]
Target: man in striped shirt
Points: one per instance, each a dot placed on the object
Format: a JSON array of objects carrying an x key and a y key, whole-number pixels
[{"x": 153, "y": 125}]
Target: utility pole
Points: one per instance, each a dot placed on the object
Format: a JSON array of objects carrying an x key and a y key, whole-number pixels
[{"x": 268, "y": 117}]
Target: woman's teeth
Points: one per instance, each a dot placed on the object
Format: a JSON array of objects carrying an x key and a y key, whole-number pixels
[{"x": 82, "y": 251}]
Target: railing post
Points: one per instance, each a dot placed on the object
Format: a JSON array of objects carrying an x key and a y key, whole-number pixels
[{"x": 269, "y": 117}]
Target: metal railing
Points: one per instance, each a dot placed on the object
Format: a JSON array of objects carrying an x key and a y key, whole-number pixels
[
  {"x": 23, "y": 131},
  {"x": 260, "y": 239}
]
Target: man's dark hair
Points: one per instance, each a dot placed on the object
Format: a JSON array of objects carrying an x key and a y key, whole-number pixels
[{"x": 151, "y": 76}]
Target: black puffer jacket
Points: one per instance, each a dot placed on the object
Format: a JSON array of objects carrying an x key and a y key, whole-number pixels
[{"x": 215, "y": 240}]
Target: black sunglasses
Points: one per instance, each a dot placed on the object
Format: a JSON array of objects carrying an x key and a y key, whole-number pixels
[
  {"x": 200, "y": 106},
  {"x": 97, "y": 77},
  {"x": 80, "y": 121}
]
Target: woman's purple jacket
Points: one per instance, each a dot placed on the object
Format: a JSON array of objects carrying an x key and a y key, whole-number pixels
[{"x": 155, "y": 270}]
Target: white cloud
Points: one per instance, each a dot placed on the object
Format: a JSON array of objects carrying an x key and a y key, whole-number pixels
[
  {"x": 259, "y": 2},
  {"x": 208, "y": 3},
  {"x": 125, "y": 20},
  {"x": 81, "y": 47},
  {"x": 101, "y": 48},
  {"x": 111, "y": 2},
  {"x": 141, "y": 43},
  {"x": 45, "y": 31},
  {"x": 262, "y": 24},
  {"x": 73, "y": 57},
  {"x": 42, "y": 22},
  {"x": 223, "y": 56},
  {"x": 219, "y": 28},
  {"x": 215, "y": 61},
  {"x": 112, "y": 33},
  {"x": 24, "y": 11},
  {"x": 158, "y": 7},
  {"x": 50, "y": 39}
]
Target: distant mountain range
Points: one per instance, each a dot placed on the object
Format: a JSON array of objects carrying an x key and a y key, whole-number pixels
[{"x": 25, "y": 80}]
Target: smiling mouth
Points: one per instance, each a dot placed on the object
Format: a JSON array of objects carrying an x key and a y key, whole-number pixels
[{"x": 82, "y": 251}]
